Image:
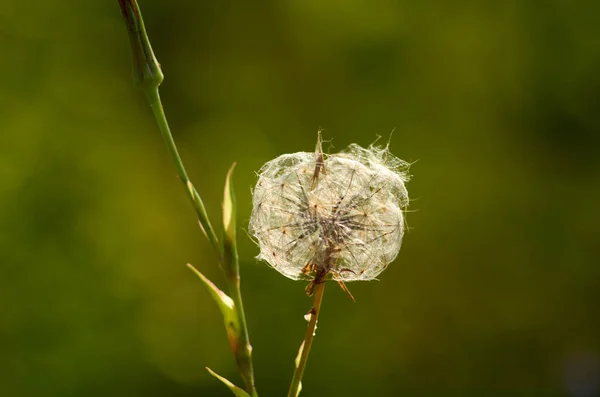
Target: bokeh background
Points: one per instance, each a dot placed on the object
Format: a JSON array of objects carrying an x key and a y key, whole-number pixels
[{"x": 496, "y": 291}]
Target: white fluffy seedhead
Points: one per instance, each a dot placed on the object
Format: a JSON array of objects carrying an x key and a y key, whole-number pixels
[{"x": 339, "y": 214}]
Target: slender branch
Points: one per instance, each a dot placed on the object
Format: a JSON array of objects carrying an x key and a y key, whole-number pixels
[
  {"x": 163, "y": 125},
  {"x": 242, "y": 350},
  {"x": 244, "y": 354},
  {"x": 148, "y": 76},
  {"x": 305, "y": 347}
]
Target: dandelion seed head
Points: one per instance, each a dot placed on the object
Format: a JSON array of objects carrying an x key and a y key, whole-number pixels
[{"x": 348, "y": 221}]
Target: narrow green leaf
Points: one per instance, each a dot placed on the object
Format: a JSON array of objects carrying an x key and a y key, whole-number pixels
[
  {"x": 236, "y": 390},
  {"x": 229, "y": 206},
  {"x": 230, "y": 254},
  {"x": 225, "y": 303}
]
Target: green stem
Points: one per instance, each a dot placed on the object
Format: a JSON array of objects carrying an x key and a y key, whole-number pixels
[
  {"x": 305, "y": 347},
  {"x": 244, "y": 355},
  {"x": 163, "y": 125},
  {"x": 148, "y": 76},
  {"x": 243, "y": 351}
]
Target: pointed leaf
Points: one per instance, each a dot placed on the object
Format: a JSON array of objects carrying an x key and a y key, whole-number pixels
[
  {"x": 229, "y": 206},
  {"x": 236, "y": 390},
  {"x": 230, "y": 255},
  {"x": 225, "y": 303}
]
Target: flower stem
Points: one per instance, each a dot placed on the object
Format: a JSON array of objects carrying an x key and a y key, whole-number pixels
[
  {"x": 243, "y": 355},
  {"x": 243, "y": 349},
  {"x": 306, "y": 344},
  {"x": 163, "y": 125},
  {"x": 148, "y": 76}
]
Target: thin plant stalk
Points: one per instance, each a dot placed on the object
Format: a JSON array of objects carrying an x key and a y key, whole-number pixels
[
  {"x": 161, "y": 120},
  {"x": 241, "y": 347},
  {"x": 302, "y": 359},
  {"x": 229, "y": 258},
  {"x": 148, "y": 76}
]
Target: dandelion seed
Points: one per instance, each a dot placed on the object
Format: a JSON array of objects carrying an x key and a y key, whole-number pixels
[{"x": 340, "y": 216}]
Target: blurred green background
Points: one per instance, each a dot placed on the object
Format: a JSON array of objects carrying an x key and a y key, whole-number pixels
[{"x": 496, "y": 291}]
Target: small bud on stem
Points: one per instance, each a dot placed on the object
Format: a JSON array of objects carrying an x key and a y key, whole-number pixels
[{"x": 146, "y": 69}]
